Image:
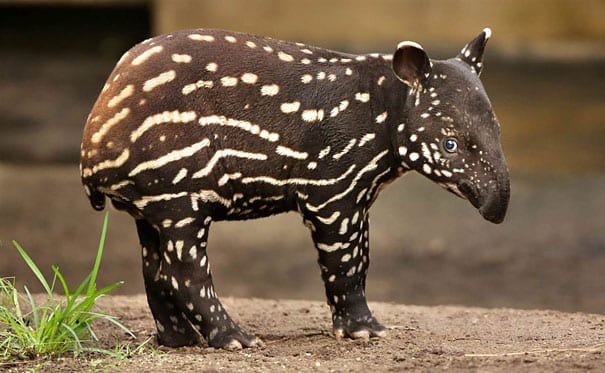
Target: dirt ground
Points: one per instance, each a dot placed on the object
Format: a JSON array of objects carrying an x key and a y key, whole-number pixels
[{"x": 297, "y": 337}]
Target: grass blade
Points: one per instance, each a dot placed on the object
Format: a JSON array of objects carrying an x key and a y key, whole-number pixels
[
  {"x": 34, "y": 311},
  {"x": 95, "y": 269},
  {"x": 34, "y": 268}
]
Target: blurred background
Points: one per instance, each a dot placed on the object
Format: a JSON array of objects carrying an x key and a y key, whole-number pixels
[{"x": 545, "y": 74}]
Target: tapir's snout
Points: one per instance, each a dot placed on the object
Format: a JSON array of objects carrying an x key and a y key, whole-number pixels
[
  {"x": 495, "y": 206},
  {"x": 492, "y": 203}
]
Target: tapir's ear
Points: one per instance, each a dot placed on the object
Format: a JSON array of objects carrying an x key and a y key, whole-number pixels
[
  {"x": 411, "y": 64},
  {"x": 472, "y": 53}
]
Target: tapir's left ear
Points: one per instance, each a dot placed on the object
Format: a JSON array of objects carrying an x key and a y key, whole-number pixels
[
  {"x": 411, "y": 64},
  {"x": 472, "y": 53}
]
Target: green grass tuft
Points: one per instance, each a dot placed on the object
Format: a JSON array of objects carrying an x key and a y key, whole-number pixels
[{"x": 62, "y": 324}]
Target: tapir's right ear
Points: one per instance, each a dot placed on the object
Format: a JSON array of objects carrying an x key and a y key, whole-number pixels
[{"x": 411, "y": 64}]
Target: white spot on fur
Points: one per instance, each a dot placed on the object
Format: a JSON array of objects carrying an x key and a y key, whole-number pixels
[
  {"x": 269, "y": 90},
  {"x": 325, "y": 151},
  {"x": 181, "y": 58},
  {"x": 164, "y": 117},
  {"x": 329, "y": 220},
  {"x": 285, "y": 56},
  {"x": 228, "y": 81},
  {"x": 382, "y": 117},
  {"x": 244, "y": 125},
  {"x": 362, "y": 97},
  {"x": 98, "y": 136},
  {"x": 344, "y": 226},
  {"x": 184, "y": 222},
  {"x": 110, "y": 163},
  {"x": 146, "y": 55},
  {"x": 307, "y": 78},
  {"x": 346, "y": 149},
  {"x": 197, "y": 85},
  {"x": 179, "y": 176},
  {"x": 290, "y": 107},
  {"x": 287, "y": 152},
  {"x": 198, "y": 37},
  {"x": 159, "y": 80},
  {"x": 226, "y": 177},
  {"x": 366, "y": 138},
  {"x": 313, "y": 115},
  {"x": 124, "y": 93},
  {"x": 173, "y": 156},
  {"x": 249, "y": 78}
]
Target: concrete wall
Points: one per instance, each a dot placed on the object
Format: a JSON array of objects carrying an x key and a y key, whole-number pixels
[{"x": 532, "y": 28}]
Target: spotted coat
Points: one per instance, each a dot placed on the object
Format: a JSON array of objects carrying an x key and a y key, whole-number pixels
[{"x": 204, "y": 125}]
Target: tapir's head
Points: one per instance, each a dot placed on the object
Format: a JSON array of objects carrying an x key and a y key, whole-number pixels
[{"x": 451, "y": 134}]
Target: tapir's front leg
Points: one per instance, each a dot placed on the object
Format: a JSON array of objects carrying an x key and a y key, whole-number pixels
[{"x": 343, "y": 245}]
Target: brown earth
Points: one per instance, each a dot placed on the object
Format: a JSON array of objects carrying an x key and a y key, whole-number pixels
[{"x": 297, "y": 337}]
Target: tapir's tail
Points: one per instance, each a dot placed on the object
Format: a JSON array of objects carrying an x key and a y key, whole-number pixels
[{"x": 97, "y": 200}]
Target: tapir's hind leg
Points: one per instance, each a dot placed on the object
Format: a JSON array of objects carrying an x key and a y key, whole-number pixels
[
  {"x": 182, "y": 285},
  {"x": 172, "y": 331},
  {"x": 343, "y": 247}
]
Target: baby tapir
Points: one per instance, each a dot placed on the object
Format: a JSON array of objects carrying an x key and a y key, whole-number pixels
[{"x": 205, "y": 125}]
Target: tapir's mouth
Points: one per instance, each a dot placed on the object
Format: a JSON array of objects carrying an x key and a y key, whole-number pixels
[{"x": 492, "y": 204}]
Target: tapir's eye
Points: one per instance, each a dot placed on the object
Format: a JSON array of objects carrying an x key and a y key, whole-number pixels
[{"x": 450, "y": 144}]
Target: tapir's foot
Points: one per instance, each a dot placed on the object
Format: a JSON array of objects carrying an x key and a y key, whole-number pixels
[
  {"x": 233, "y": 338},
  {"x": 184, "y": 336},
  {"x": 358, "y": 328}
]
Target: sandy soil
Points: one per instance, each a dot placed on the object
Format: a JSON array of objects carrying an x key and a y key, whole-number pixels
[{"x": 297, "y": 338}]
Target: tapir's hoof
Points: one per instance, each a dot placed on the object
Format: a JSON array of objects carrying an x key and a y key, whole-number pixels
[
  {"x": 362, "y": 329},
  {"x": 235, "y": 339},
  {"x": 175, "y": 340}
]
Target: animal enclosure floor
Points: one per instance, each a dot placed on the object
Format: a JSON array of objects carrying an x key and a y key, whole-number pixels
[{"x": 297, "y": 338}]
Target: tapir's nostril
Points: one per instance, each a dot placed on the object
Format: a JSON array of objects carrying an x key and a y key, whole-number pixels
[{"x": 492, "y": 204}]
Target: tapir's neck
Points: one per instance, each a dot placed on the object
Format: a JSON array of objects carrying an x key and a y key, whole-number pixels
[
  {"x": 364, "y": 135},
  {"x": 385, "y": 110}
]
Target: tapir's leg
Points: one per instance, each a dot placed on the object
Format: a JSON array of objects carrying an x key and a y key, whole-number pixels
[
  {"x": 344, "y": 260},
  {"x": 183, "y": 279},
  {"x": 170, "y": 333}
]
